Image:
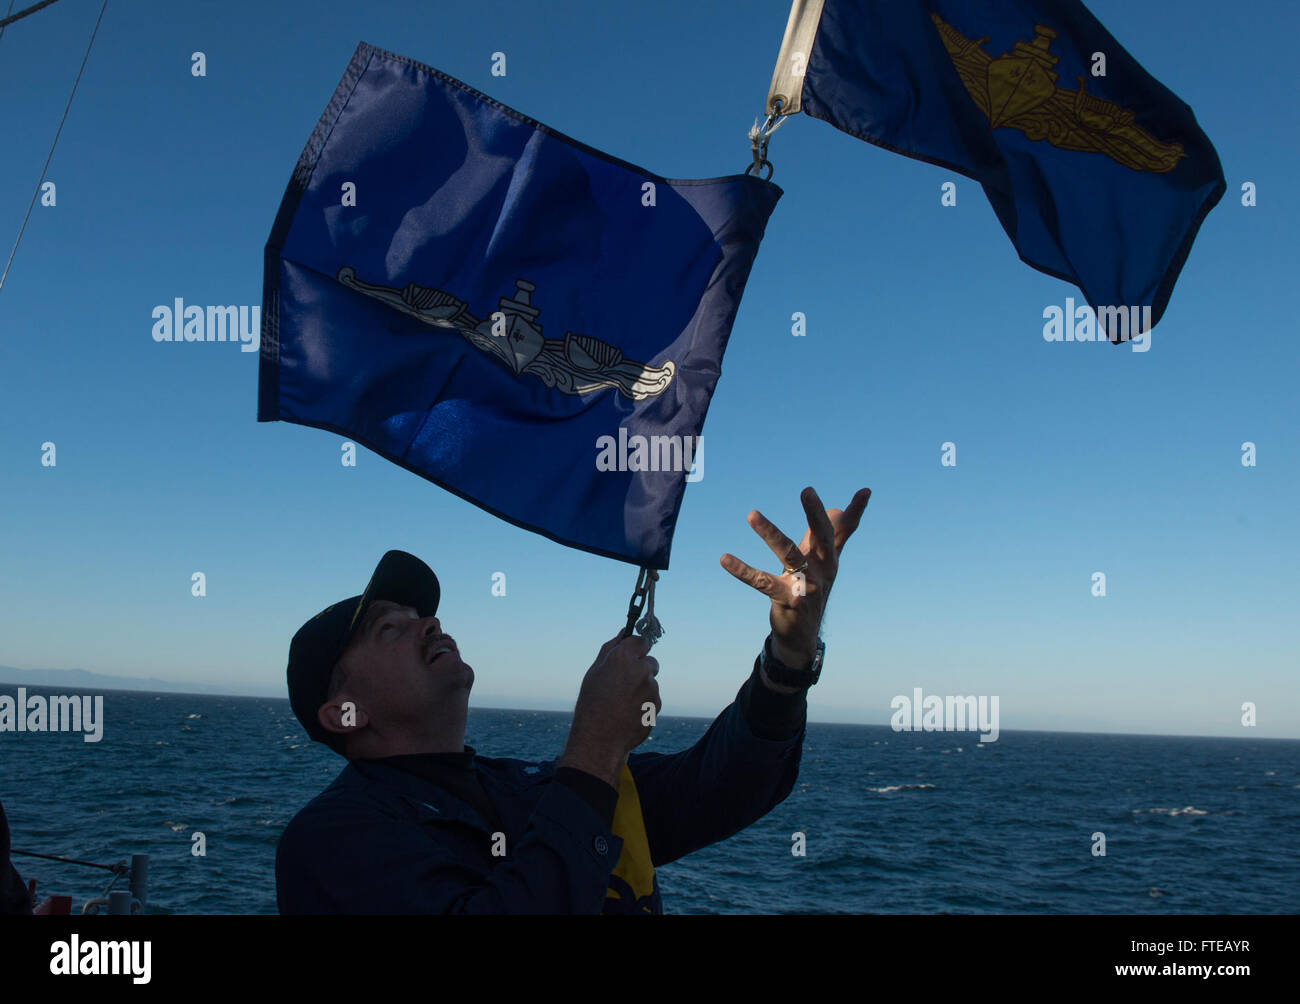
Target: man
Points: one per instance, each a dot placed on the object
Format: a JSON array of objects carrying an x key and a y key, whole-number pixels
[{"x": 418, "y": 822}]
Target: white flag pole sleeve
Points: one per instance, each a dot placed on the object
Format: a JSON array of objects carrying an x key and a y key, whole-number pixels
[{"x": 796, "y": 49}]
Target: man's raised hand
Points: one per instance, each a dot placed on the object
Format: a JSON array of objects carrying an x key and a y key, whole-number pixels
[
  {"x": 608, "y": 719},
  {"x": 799, "y": 597}
]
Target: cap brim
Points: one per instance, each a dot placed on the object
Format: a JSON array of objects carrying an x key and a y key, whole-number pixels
[{"x": 399, "y": 578}]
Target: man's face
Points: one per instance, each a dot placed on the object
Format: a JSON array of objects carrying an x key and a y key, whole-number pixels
[{"x": 402, "y": 670}]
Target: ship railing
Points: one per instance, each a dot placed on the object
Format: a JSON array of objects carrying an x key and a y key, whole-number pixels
[{"x": 111, "y": 901}]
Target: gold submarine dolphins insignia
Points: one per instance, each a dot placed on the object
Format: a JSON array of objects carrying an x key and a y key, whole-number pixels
[
  {"x": 576, "y": 364},
  {"x": 1018, "y": 91}
]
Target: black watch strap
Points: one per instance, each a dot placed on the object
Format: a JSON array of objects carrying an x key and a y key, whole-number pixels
[{"x": 786, "y": 676}]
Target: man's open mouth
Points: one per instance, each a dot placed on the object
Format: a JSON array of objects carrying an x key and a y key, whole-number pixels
[{"x": 443, "y": 647}]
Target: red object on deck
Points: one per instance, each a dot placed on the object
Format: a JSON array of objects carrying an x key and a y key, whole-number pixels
[{"x": 55, "y": 906}]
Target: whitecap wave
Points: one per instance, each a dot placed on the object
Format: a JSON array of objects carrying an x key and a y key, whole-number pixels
[{"x": 1187, "y": 810}]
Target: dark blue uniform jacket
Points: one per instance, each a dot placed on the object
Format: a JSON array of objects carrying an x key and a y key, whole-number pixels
[{"x": 381, "y": 840}]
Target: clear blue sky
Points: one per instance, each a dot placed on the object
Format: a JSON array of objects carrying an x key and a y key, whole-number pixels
[{"x": 923, "y": 327}]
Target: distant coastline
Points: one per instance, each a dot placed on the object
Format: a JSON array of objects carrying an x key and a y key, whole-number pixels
[{"x": 80, "y": 679}]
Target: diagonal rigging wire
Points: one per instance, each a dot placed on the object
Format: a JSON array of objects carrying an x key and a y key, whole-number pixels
[
  {"x": 58, "y": 132},
  {"x": 21, "y": 14}
]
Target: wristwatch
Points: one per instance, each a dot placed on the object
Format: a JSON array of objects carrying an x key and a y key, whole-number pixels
[{"x": 780, "y": 673}]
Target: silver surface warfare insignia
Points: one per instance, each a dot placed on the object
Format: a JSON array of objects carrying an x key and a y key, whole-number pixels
[{"x": 576, "y": 364}]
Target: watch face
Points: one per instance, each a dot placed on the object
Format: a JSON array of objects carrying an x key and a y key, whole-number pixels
[{"x": 816, "y": 669}]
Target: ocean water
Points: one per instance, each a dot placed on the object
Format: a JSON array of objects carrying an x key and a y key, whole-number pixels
[{"x": 892, "y": 822}]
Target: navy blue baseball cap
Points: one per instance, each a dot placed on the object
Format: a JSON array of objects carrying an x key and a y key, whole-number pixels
[{"x": 320, "y": 643}]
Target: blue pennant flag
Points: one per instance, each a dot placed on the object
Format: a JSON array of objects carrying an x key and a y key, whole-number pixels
[
  {"x": 519, "y": 318},
  {"x": 1098, "y": 173}
]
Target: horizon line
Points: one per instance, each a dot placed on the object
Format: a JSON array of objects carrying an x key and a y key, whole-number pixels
[{"x": 705, "y": 718}]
